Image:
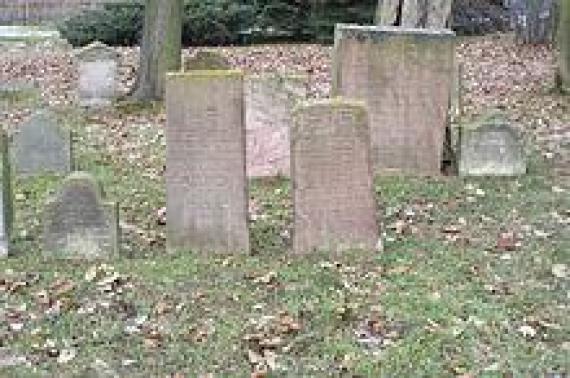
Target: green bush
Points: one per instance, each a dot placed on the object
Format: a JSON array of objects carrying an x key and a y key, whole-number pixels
[
  {"x": 223, "y": 22},
  {"x": 114, "y": 24},
  {"x": 216, "y": 22}
]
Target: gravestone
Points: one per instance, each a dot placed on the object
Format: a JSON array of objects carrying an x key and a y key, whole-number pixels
[
  {"x": 269, "y": 102},
  {"x": 491, "y": 147},
  {"x": 206, "y": 60},
  {"x": 98, "y": 66},
  {"x": 405, "y": 76},
  {"x": 5, "y": 197},
  {"x": 78, "y": 224},
  {"x": 41, "y": 146},
  {"x": 206, "y": 187},
  {"x": 333, "y": 194}
]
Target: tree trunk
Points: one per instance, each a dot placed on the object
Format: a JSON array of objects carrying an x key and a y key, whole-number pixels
[
  {"x": 413, "y": 12},
  {"x": 387, "y": 12},
  {"x": 432, "y": 14},
  {"x": 160, "y": 48},
  {"x": 564, "y": 46},
  {"x": 438, "y": 13},
  {"x": 533, "y": 20}
]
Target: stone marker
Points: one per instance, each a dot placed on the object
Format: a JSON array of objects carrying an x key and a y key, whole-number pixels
[
  {"x": 78, "y": 224},
  {"x": 405, "y": 76},
  {"x": 206, "y": 60},
  {"x": 456, "y": 102},
  {"x": 491, "y": 147},
  {"x": 269, "y": 102},
  {"x": 206, "y": 186},
  {"x": 98, "y": 66},
  {"x": 41, "y": 146},
  {"x": 5, "y": 197},
  {"x": 333, "y": 192}
]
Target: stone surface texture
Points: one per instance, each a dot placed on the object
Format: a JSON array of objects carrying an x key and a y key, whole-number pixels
[
  {"x": 405, "y": 76},
  {"x": 206, "y": 186},
  {"x": 333, "y": 195},
  {"x": 269, "y": 102},
  {"x": 78, "y": 224}
]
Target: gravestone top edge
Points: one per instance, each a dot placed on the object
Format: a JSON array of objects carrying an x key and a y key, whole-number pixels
[
  {"x": 203, "y": 74},
  {"x": 278, "y": 75},
  {"x": 52, "y": 118},
  {"x": 337, "y": 102},
  {"x": 96, "y": 51},
  {"x": 82, "y": 178},
  {"x": 372, "y": 31},
  {"x": 489, "y": 122}
]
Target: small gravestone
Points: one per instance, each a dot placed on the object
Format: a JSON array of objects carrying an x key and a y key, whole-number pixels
[
  {"x": 405, "y": 76},
  {"x": 491, "y": 147},
  {"x": 5, "y": 197},
  {"x": 98, "y": 66},
  {"x": 78, "y": 224},
  {"x": 41, "y": 146},
  {"x": 206, "y": 186},
  {"x": 269, "y": 103},
  {"x": 206, "y": 60},
  {"x": 333, "y": 194}
]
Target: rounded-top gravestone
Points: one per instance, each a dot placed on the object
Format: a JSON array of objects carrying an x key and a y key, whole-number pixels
[
  {"x": 78, "y": 224},
  {"x": 41, "y": 146}
]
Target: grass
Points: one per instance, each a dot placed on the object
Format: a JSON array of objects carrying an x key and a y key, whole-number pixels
[{"x": 441, "y": 300}]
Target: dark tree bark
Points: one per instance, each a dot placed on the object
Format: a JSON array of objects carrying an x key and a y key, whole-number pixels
[
  {"x": 160, "y": 48},
  {"x": 533, "y": 20},
  {"x": 564, "y": 46},
  {"x": 432, "y": 14}
]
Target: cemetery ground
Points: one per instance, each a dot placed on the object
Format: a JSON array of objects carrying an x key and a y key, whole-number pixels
[{"x": 473, "y": 279}]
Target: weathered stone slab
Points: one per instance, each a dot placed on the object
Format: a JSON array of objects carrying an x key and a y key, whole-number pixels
[
  {"x": 5, "y": 197},
  {"x": 206, "y": 60},
  {"x": 98, "y": 72},
  {"x": 78, "y": 224},
  {"x": 491, "y": 147},
  {"x": 41, "y": 146},
  {"x": 405, "y": 76},
  {"x": 269, "y": 103},
  {"x": 333, "y": 192},
  {"x": 206, "y": 186}
]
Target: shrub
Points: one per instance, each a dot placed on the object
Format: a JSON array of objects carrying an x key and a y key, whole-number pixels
[
  {"x": 114, "y": 24},
  {"x": 222, "y": 22},
  {"x": 215, "y": 22}
]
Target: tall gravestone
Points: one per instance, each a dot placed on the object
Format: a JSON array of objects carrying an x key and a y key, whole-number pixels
[
  {"x": 42, "y": 145},
  {"x": 5, "y": 197},
  {"x": 491, "y": 147},
  {"x": 78, "y": 224},
  {"x": 269, "y": 103},
  {"x": 98, "y": 75},
  {"x": 333, "y": 193},
  {"x": 206, "y": 186},
  {"x": 405, "y": 76}
]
